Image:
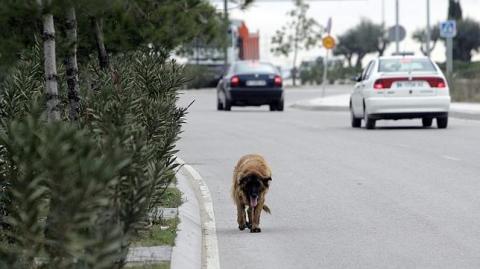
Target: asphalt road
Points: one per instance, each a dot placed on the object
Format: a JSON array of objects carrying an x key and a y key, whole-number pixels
[{"x": 397, "y": 197}]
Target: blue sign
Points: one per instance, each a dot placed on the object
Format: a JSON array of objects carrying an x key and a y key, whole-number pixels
[{"x": 448, "y": 29}]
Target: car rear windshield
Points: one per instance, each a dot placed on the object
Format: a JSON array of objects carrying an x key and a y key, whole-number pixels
[
  {"x": 406, "y": 65},
  {"x": 254, "y": 67}
]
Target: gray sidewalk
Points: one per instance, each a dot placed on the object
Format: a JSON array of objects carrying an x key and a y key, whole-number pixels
[{"x": 340, "y": 103}]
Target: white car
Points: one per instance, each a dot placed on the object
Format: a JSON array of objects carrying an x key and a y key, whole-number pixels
[{"x": 400, "y": 87}]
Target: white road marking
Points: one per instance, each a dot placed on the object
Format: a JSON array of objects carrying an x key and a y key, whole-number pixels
[{"x": 451, "y": 158}]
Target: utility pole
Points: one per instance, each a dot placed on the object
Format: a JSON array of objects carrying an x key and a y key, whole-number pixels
[
  {"x": 383, "y": 13},
  {"x": 397, "y": 28},
  {"x": 226, "y": 40},
  {"x": 428, "y": 29}
]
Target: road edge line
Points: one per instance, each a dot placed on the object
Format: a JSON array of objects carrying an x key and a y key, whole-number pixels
[{"x": 210, "y": 256}]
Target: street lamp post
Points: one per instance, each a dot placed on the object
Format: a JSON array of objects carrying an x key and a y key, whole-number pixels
[
  {"x": 226, "y": 40},
  {"x": 383, "y": 13},
  {"x": 428, "y": 29},
  {"x": 397, "y": 28}
]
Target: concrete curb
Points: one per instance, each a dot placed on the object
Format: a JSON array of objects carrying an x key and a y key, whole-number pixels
[
  {"x": 209, "y": 246},
  {"x": 187, "y": 252}
]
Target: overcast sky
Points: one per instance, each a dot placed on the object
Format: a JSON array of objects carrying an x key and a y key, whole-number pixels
[{"x": 266, "y": 16}]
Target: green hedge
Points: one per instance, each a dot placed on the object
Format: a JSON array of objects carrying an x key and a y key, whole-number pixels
[{"x": 73, "y": 193}]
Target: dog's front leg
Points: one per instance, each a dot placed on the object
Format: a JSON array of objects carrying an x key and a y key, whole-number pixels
[
  {"x": 250, "y": 217},
  {"x": 241, "y": 217},
  {"x": 256, "y": 218}
]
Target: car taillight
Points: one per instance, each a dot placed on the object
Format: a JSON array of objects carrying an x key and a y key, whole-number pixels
[
  {"x": 278, "y": 81},
  {"x": 381, "y": 84},
  {"x": 436, "y": 82},
  {"x": 234, "y": 81}
]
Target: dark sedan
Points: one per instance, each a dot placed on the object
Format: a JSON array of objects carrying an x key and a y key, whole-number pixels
[{"x": 250, "y": 83}]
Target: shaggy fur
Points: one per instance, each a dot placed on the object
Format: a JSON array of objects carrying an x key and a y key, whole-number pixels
[{"x": 251, "y": 179}]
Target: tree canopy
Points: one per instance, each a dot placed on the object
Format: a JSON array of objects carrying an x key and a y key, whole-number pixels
[
  {"x": 420, "y": 35},
  {"x": 454, "y": 10},
  {"x": 299, "y": 33},
  {"x": 127, "y": 25},
  {"x": 366, "y": 37},
  {"x": 467, "y": 40}
]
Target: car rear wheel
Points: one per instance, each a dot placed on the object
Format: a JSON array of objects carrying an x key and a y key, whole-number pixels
[
  {"x": 280, "y": 105},
  {"x": 427, "y": 122},
  {"x": 369, "y": 122},
  {"x": 277, "y": 106},
  {"x": 356, "y": 122},
  {"x": 442, "y": 123},
  {"x": 228, "y": 105}
]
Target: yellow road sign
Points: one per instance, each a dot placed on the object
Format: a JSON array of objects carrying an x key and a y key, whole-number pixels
[{"x": 328, "y": 42}]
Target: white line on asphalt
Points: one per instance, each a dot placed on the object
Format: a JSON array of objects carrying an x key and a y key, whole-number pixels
[
  {"x": 403, "y": 146},
  {"x": 451, "y": 158},
  {"x": 210, "y": 257}
]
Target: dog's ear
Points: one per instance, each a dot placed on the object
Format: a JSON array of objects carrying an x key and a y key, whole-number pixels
[{"x": 266, "y": 181}]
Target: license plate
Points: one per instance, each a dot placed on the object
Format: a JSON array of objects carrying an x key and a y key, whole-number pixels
[
  {"x": 256, "y": 83},
  {"x": 410, "y": 84}
]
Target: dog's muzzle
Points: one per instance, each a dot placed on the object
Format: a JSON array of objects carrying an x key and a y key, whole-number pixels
[{"x": 253, "y": 201}]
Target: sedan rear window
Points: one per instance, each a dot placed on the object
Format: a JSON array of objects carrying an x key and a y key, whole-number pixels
[
  {"x": 406, "y": 65},
  {"x": 254, "y": 67}
]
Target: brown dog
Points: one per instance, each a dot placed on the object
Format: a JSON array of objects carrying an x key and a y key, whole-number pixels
[{"x": 251, "y": 179}]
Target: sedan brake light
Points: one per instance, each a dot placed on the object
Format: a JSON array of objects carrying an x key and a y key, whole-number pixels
[
  {"x": 234, "y": 81},
  {"x": 382, "y": 83},
  {"x": 278, "y": 81},
  {"x": 436, "y": 82}
]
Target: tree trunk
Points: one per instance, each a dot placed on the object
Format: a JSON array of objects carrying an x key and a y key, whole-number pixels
[
  {"x": 50, "y": 65},
  {"x": 103, "y": 60},
  {"x": 381, "y": 48},
  {"x": 423, "y": 49},
  {"x": 295, "y": 55},
  {"x": 71, "y": 64},
  {"x": 358, "y": 64},
  {"x": 349, "y": 60},
  {"x": 294, "y": 70}
]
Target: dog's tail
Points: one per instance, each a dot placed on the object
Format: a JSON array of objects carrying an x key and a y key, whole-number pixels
[{"x": 267, "y": 209}]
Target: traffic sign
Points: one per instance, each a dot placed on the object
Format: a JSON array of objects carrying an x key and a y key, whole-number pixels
[
  {"x": 448, "y": 29},
  {"x": 392, "y": 32},
  {"x": 328, "y": 42}
]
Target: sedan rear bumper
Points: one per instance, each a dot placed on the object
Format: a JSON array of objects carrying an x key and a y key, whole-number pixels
[
  {"x": 255, "y": 96},
  {"x": 408, "y": 106},
  {"x": 410, "y": 115}
]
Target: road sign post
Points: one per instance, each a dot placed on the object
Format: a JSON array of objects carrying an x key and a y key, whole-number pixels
[
  {"x": 328, "y": 43},
  {"x": 449, "y": 57},
  {"x": 448, "y": 30}
]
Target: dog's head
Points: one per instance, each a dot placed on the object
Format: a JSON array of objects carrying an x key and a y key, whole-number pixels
[{"x": 253, "y": 186}]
